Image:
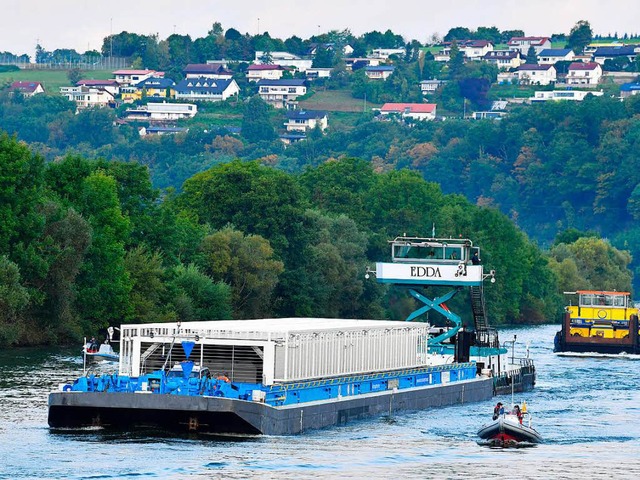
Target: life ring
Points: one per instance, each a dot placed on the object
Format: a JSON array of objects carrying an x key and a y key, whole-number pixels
[
  {"x": 576, "y": 334},
  {"x": 67, "y": 388},
  {"x": 602, "y": 314}
]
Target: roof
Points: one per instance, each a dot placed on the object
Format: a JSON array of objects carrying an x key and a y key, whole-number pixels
[
  {"x": 206, "y": 68},
  {"x": 529, "y": 40},
  {"x": 584, "y": 66},
  {"x": 630, "y": 87},
  {"x": 291, "y": 82},
  {"x": 265, "y": 66},
  {"x": 97, "y": 83},
  {"x": 381, "y": 68},
  {"x": 156, "y": 82},
  {"x": 533, "y": 66},
  {"x": 615, "y": 51},
  {"x": 282, "y": 327},
  {"x": 203, "y": 84},
  {"x": 135, "y": 72},
  {"x": 306, "y": 114},
  {"x": 555, "y": 52},
  {"x": 152, "y": 129},
  {"x": 409, "y": 107},
  {"x": 28, "y": 87},
  {"x": 501, "y": 54}
]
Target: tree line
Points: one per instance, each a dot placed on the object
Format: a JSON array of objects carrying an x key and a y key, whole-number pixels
[{"x": 85, "y": 244}]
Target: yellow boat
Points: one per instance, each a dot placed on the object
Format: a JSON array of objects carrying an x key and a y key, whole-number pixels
[{"x": 600, "y": 322}]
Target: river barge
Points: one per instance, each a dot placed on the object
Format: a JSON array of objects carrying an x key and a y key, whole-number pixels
[
  {"x": 287, "y": 376},
  {"x": 603, "y": 322}
]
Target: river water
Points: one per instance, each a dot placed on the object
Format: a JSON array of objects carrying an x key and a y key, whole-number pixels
[{"x": 586, "y": 408}]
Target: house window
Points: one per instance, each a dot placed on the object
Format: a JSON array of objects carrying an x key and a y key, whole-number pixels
[{"x": 292, "y": 90}]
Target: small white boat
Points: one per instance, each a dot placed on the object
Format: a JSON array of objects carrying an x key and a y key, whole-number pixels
[
  {"x": 103, "y": 351},
  {"x": 510, "y": 429}
]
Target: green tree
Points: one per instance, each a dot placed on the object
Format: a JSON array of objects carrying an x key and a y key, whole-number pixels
[
  {"x": 248, "y": 266},
  {"x": 256, "y": 121},
  {"x": 196, "y": 297},
  {"x": 456, "y": 62},
  {"x": 532, "y": 56},
  {"x": 580, "y": 36},
  {"x": 13, "y": 299}
]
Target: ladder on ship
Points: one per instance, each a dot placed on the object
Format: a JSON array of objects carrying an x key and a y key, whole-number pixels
[{"x": 478, "y": 309}]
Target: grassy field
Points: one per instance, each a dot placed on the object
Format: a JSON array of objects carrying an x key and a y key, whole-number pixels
[
  {"x": 336, "y": 101},
  {"x": 52, "y": 80}
]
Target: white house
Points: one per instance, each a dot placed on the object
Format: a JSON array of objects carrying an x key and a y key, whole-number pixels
[
  {"x": 353, "y": 63},
  {"x": 159, "y": 112},
  {"x": 584, "y": 73},
  {"x": 207, "y": 89},
  {"x": 522, "y": 44},
  {"x": 280, "y": 92},
  {"x": 110, "y": 86},
  {"x": 284, "y": 59},
  {"x": 430, "y": 86},
  {"x": 504, "y": 59},
  {"x": 303, "y": 120},
  {"x": 264, "y": 72},
  {"x": 531, "y": 74},
  {"x": 127, "y": 77},
  {"x": 216, "y": 71},
  {"x": 414, "y": 111},
  {"x": 28, "y": 89},
  {"x": 85, "y": 97},
  {"x": 385, "y": 53},
  {"x": 550, "y": 56},
  {"x": 575, "y": 95},
  {"x": 320, "y": 72},
  {"x": 629, "y": 89},
  {"x": 381, "y": 72}
]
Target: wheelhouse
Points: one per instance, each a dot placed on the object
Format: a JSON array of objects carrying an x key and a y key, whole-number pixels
[{"x": 432, "y": 250}]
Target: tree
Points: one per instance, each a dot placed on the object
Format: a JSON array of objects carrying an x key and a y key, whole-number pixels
[
  {"x": 256, "y": 121},
  {"x": 580, "y": 36},
  {"x": 457, "y": 33},
  {"x": 532, "y": 56},
  {"x": 74, "y": 75},
  {"x": 248, "y": 266},
  {"x": 456, "y": 61},
  {"x": 195, "y": 296}
]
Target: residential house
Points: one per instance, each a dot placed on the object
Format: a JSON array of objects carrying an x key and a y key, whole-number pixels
[
  {"x": 289, "y": 138},
  {"x": 28, "y": 89},
  {"x": 162, "y": 112},
  {"x": 85, "y": 97},
  {"x": 413, "y": 111},
  {"x": 354, "y": 63},
  {"x": 584, "y": 73},
  {"x": 206, "y": 89},
  {"x": 127, "y": 77},
  {"x": 313, "y": 48},
  {"x": 280, "y": 92},
  {"x": 153, "y": 87},
  {"x": 385, "y": 53},
  {"x": 488, "y": 115},
  {"x": 504, "y": 59},
  {"x": 303, "y": 120},
  {"x": 216, "y": 71},
  {"x": 531, "y": 74},
  {"x": 381, "y": 72},
  {"x": 320, "y": 72},
  {"x": 428, "y": 87},
  {"x": 507, "y": 77},
  {"x": 550, "y": 56},
  {"x": 471, "y": 49},
  {"x": 575, "y": 95},
  {"x": 284, "y": 59},
  {"x": 264, "y": 72},
  {"x": 629, "y": 89},
  {"x": 611, "y": 53},
  {"x": 110, "y": 86},
  {"x": 161, "y": 130},
  {"x": 522, "y": 44}
]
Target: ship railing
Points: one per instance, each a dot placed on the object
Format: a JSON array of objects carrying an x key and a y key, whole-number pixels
[{"x": 487, "y": 338}]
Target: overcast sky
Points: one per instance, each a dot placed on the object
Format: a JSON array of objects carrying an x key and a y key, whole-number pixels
[{"x": 82, "y": 24}]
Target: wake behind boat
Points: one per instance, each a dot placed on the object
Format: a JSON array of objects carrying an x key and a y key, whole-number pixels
[{"x": 509, "y": 429}]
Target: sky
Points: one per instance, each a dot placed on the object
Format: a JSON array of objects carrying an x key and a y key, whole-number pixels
[{"x": 83, "y": 24}]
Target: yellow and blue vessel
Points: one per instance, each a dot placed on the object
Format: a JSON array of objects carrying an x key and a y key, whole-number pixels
[{"x": 599, "y": 322}]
